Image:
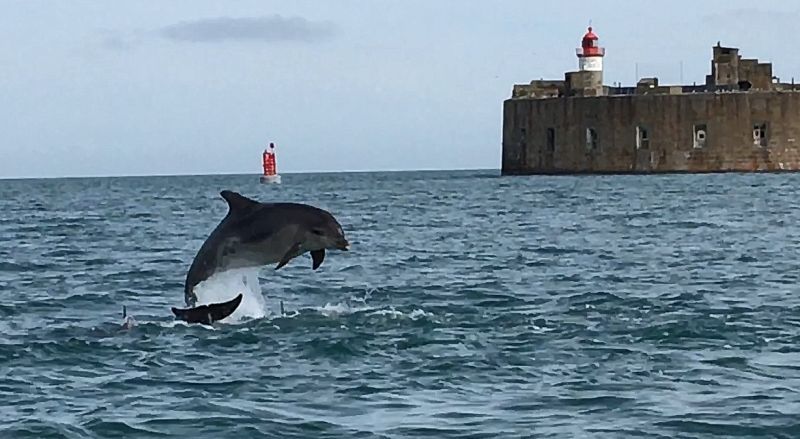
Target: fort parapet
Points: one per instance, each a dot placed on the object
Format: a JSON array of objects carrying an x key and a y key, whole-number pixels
[{"x": 742, "y": 119}]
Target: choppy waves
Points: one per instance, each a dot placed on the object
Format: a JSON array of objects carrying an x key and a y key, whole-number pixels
[{"x": 470, "y": 306}]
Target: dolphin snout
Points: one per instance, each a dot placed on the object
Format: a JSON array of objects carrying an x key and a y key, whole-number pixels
[{"x": 342, "y": 244}]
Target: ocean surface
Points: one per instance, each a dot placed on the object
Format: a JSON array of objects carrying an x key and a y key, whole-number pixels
[{"x": 469, "y": 306}]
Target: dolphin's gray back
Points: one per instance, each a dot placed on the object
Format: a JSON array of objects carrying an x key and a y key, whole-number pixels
[{"x": 252, "y": 234}]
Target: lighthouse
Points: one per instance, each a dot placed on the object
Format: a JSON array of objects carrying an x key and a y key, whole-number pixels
[{"x": 590, "y": 64}]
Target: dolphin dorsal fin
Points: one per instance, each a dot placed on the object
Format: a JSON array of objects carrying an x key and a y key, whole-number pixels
[{"x": 238, "y": 202}]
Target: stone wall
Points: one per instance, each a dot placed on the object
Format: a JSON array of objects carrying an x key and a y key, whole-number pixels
[
  {"x": 539, "y": 89},
  {"x": 599, "y": 134},
  {"x": 758, "y": 74}
]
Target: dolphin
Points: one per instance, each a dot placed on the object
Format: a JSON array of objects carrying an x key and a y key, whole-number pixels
[{"x": 254, "y": 234}]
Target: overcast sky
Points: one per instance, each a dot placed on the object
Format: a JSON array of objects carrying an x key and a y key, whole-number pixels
[{"x": 195, "y": 87}]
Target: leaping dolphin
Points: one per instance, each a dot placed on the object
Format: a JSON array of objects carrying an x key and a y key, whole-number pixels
[{"x": 254, "y": 234}]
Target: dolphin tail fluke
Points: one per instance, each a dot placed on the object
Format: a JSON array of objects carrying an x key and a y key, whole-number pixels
[{"x": 208, "y": 314}]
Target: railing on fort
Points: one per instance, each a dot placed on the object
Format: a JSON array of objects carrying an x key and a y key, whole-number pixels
[
  {"x": 554, "y": 89},
  {"x": 666, "y": 89},
  {"x": 621, "y": 91}
]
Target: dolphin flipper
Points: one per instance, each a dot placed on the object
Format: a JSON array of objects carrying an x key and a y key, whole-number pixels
[
  {"x": 289, "y": 255},
  {"x": 317, "y": 256},
  {"x": 208, "y": 314}
]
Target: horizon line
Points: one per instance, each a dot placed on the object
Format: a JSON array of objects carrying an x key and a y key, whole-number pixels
[{"x": 256, "y": 174}]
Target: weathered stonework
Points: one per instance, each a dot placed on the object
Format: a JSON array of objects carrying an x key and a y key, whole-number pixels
[{"x": 741, "y": 120}]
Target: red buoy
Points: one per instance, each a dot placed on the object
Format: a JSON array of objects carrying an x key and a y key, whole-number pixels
[
  {"x": 270, "y": 166},
  {"x": 269, "y": 160}
]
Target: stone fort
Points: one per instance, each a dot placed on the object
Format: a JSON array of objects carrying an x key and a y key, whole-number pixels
[{"x": 743, "y": 119}]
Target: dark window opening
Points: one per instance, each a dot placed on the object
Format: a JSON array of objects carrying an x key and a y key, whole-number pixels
[
  {"x": 700, "y": 134},
  {"x": 642, "y": 138},
  {"x": 591, "y": 139},
  {"x": 551, "y": 139},
  {"x": 760, "y": 135}
]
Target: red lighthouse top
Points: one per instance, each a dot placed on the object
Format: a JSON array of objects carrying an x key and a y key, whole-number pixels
[{"x": 589, "y": 46}]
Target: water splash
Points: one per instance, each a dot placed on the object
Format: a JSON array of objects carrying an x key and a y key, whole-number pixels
[
  {"x": 226, "y": 285},
  {"x": 351, "y": 305}
]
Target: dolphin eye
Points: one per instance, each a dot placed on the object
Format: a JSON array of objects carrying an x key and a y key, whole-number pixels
[{"x": 317, "y": 232}]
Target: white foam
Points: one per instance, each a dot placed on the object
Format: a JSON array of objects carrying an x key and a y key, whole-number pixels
[
  {"x": 174, "y": 323},
  {"x": 419, "y": 313},
  {"x": 224, "y": 286},
  {"x": 338, "y": 309},
  {"x": 415, "y": 314},
  {"x": 350, "y": 306},
  {"x": 391, "y": 312}
]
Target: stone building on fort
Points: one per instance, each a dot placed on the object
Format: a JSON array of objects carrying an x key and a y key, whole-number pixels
[{"x": 742, "y": 119}]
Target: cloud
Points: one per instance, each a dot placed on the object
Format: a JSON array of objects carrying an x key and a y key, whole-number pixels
[
  {"x": 117, "y": 41},
  {"x": 265, "y": 29}
]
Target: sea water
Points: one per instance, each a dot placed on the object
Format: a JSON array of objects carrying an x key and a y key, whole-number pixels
[{"x": 469, "y": 306}]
